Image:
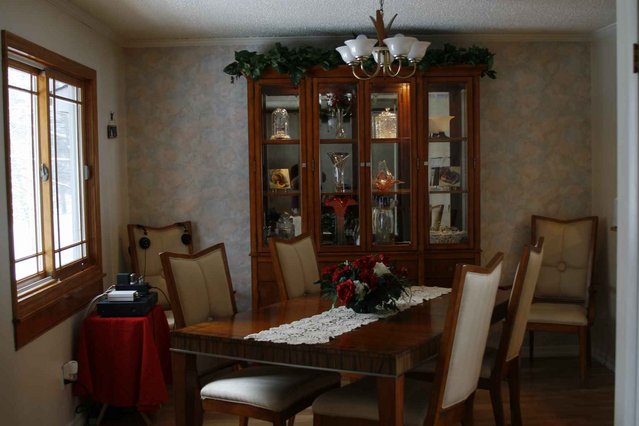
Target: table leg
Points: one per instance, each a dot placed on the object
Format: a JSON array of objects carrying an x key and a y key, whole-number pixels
[
  {"x": 185, "y": 388},
  {"x": 390, "y": 400}
]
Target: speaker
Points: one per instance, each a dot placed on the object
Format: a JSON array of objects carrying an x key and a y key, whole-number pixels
[
  {"x": 186, "y": 235},
  {"x": 145, "y": 241}
]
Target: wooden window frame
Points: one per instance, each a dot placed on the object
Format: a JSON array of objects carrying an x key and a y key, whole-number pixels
[{"x": 60, "y": 295}]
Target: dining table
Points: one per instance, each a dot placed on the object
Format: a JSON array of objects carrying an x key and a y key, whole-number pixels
[{"x": 385, "y": 349}]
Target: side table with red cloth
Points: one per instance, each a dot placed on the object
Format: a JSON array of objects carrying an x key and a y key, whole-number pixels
[{"x": 125, "y": 361}]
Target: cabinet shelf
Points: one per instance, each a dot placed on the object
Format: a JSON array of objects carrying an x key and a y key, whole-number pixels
[
  {"x": 281, "y": 142},
  {"x": 391, "y": 140},
  {"x": 434, "y": 140},
  {"x": 448, "y": 191},
  {"x": 398, "y": 192},
  {"x": 338, "y": 141},
  {"x": 345, "y": 193},
  {"x": 282, "y": 193}
]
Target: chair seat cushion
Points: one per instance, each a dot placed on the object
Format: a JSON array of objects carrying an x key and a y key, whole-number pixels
[
  {"x": 270, "y": 387},
  {"x": 358, "y": 400},
  {"x": 558, "y": 313}
]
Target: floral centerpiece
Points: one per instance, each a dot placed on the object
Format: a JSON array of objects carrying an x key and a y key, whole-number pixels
[{"x": 369, "y": 284}]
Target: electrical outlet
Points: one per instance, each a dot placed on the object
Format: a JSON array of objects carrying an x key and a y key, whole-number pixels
[{"x": 70, "y": 372}]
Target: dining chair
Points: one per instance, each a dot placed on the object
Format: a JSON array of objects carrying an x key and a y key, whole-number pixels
[
  {"x": 295, "y": 266},
  {"x": 201, "y": 289},
  {"x": 502, "y": 363},
  {"x": 564, "y": 297},
  {"x": 449, "y": 399},
  {"x": 145, "y": 245}
]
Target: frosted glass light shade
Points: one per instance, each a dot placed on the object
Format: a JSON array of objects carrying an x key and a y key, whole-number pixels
[
  {"x": 418, "y": 50},
  {"x": 361, "y": 46},
  {"x": 399, "y": 45},
  {"x": 345, "y": 51}
]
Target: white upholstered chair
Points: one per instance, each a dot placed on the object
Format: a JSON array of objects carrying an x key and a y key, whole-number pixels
[
  {"x": 145, "y": 245},
  {"x": 295, "y": 266},
  {"x": 200, "y": 288},
  {"x": 449, "y": 399},
  {"x": 564, "y": 298},
  {"x": 502, "y": 363}
]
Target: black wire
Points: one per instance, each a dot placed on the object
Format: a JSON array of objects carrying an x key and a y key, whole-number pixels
[{"x": 161, "y": 291}]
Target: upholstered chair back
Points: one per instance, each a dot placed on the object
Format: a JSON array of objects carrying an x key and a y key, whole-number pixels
[
  {"x": 295, "y": 266},
  {"x": 566, "y": 268},
  {"x": 532, "y": 258},
  {"x": 478, "y": 287},
  {"x": 147, "y": 261},
  {"x": 199, "y": 285}
]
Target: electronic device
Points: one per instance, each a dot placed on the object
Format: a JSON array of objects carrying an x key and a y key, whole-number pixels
[
  {"x": 138, "y": 307},
  {"x": 126, "y": 281}
]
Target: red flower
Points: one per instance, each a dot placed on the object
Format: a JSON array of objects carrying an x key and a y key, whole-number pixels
[
  {"x": 345, "y": 291},
  {"x": 328, "y": 270}
]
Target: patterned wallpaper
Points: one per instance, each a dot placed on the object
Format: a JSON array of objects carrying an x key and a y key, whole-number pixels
[
  {"x": 535, "y": 142},
  {"x": 188, "y": 144}
]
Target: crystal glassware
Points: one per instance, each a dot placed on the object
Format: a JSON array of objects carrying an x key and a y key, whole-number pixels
[
  {"x": 339, "y": 161},
  {"x": 386, "y": 125}
]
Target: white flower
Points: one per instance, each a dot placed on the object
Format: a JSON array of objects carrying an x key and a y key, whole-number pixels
[
  {"x": 360, "y": 289},
  {"x": 381, "y": 269}
]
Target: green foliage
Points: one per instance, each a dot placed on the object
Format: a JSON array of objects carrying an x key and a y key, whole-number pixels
[
  {"x": 451, "y": 55},
  {"x": 296, "y": 61}
]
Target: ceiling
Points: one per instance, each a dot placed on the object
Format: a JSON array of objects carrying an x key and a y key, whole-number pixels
[{"x": 133, "y": 21}]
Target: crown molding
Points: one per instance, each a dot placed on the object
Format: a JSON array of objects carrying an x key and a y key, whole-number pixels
[
  {"x": 466, "y": 38},
  {"x": 88, "y": 20},
  {"x": 604, "y": 32}
]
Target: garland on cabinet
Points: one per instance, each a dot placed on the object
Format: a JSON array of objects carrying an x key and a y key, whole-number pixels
[{"x": 296, "y": 61}]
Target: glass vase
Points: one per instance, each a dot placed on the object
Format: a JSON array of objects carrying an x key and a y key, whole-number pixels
[
  {"x": 384, "y": 224},
  {"x": 339, "y": 161},
  {"x": 340, "y": 132}
]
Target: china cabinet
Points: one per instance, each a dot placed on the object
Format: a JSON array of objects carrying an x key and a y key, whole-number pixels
[{"x": 385, "y": 165}]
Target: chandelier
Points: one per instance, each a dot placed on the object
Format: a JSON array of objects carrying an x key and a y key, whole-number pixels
[{"x": 390, "y": 55}]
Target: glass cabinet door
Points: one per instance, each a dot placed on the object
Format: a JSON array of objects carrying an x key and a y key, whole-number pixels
[
  {"x": 390, "y": 164},
  {"x": 338, "y": 177},
  {"x": 448, "y": 168},
  {"x": 280, "y": 162}
]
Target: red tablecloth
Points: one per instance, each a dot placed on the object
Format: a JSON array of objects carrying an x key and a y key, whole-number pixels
[{"x": 125, "y": 361}]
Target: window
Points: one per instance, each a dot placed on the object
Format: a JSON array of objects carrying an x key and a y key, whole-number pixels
[{"x": 51, "y": 168}]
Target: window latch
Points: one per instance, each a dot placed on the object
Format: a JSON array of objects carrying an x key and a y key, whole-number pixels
[{"x": 44, "y": 172}]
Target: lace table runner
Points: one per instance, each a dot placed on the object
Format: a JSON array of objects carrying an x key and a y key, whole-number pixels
[{"x": 321, "y": 328}]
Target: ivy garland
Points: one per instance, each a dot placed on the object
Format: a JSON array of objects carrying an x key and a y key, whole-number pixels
[{"x": 295, "y": 62}]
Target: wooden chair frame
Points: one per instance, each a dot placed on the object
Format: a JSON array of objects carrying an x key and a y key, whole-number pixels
[
  {"x": 277, "y": 266},
  {"x": 172, "y": 287},
  {"x": 244, "y": 411},
  {"x": 585, "y": 357},
  {"x": 436, "y": 415},
  {"x": 504, "y": 369}
]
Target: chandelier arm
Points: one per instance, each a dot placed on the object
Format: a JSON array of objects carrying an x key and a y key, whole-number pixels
[
  {"x": 409, "y": 75},
  {"x": 367, "y": 75}
]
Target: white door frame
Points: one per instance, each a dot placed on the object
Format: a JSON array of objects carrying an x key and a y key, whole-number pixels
[{"x": 627, "y": 328}]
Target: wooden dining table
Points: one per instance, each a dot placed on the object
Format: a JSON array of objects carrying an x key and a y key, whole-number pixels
[{"x": 385, "y": 349}]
